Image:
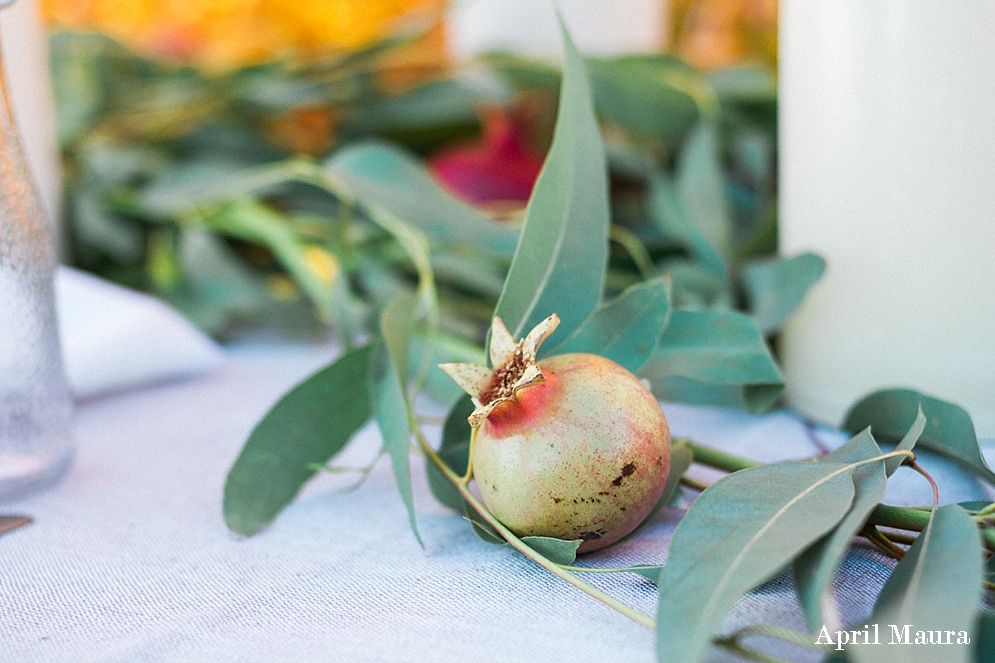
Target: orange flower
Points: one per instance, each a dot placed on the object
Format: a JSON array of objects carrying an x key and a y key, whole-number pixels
[{"x": 219, "y": 34}]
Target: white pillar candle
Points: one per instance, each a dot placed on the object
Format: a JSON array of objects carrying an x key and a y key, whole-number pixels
[
  {"x": 887, "y": 140},
  {"x": 25, "y": 56},
  {"x": 528, "y": 27}
]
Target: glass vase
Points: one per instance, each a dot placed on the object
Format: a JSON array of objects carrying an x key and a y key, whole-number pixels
[{"x": 35, "y": 404}]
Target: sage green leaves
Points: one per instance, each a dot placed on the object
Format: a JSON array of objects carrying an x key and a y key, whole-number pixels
[
  {"x": 309, "y": 425},
  {"x": 739, "y": 533},
  {"x": 948, "y": 430},
  {"x": 936, "y": 587},
  {"x": 559, "y": 266},
  {"x": 816, "y": 567}
]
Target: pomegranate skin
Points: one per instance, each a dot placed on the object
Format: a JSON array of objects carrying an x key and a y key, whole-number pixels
[{"x": 583, "y": 455}]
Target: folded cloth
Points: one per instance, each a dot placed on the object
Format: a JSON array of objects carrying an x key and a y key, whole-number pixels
[{"x": 115, "y": 339}]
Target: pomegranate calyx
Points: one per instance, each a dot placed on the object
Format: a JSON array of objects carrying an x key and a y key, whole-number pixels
[{"x": 514, "y": 369}]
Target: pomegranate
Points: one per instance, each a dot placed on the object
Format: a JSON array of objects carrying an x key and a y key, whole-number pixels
[{"x": 571, "y": 447}]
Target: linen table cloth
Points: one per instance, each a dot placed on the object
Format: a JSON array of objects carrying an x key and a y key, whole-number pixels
[{"x": 129, "y": 559}]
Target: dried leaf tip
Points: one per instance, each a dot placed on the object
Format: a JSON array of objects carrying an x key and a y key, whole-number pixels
[{"x": 514, "y": 368}]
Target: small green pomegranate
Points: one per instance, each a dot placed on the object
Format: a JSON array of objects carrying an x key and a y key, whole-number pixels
[{"x": 572, "y": 447}]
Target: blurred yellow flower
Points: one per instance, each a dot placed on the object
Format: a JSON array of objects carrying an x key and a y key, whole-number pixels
[
  {"x": 711, "y": 34},
  {"x": 220, "y": 34}
]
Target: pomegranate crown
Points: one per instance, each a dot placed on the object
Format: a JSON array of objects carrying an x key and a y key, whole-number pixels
[{"x": 514, "y": 368}]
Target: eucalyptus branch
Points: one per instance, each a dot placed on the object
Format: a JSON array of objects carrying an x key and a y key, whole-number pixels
[
  {"x": 881, "y": 542},
  {"x": 364, "y": 471},
  {"x": 694, "y": 484},
  {"x": 615, "y": 569},
  {"x": 780, "y": 633},
  {"x": 523, "y": 547},
  {"x": 910, "y": 519}
]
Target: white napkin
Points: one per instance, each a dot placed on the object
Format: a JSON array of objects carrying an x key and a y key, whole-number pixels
[{"x": 115, "y": 339}]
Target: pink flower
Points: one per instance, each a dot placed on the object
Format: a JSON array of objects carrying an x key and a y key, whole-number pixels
[{"x": 497, "y": 170}]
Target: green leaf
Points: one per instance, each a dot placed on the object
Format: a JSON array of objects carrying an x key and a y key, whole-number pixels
[
  {"x": 442, "y": 348},
  {"x": 701, "y": 190},
  {"x": 482, "y": 529},
  {"x": 557, "y": 551},
  {"x": 651, "y": 95},
  {"x": 627, "y": 329},
  {"x": 948, "y": 430},
  {"x": 984, "y": 647},
  {"x": 669, "y": 211},
  {"x": 739, "y": 533},
  {"x": 184, "y": 187},
  {"x": 907, "y": 443},
  {"x": 455, "y": 452},
  {"x": 388, "y": 375},
  {"x": 254, "y": 222},
  {"x": 95, "y": 227},
  {"x": 714, "y": 358},
  {"x": 648, "y": 571},
  {"x": 437, "y": 105},
  {"x": 816, "y": 567},
  {"x": 681, "y": 458},
  {"x": 776, "y": 287},
  {"x": 559, "y": 264},
  {"x": 936, "y": 586},
  {"x": 754, "y": 84},
  {"x": 383, "y": 176},
  {"x": 308, "y": 426}
]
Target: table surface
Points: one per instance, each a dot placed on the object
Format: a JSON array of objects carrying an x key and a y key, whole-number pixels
[{"x": 129, "y": 560}]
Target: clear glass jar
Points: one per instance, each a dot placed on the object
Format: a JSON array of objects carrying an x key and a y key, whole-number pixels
[{"x": 35, "y": 404}]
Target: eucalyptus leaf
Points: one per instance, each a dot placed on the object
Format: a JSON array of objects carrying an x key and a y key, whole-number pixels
[
  {"x": 908, "y": 442},
  {"x": 701, "y": 189},
  {"x": 559, "y": 264},
  {"x": 936, "y": 586},
  {"x": 438, "y": 104},
  {"x": 443, "y": 349},
  {"x": 984, "y": 646},
  {"x": 651, "y": 95},
  {"x": 383, "y": 176},
  {"x": 221, "y": 286},
  {"x": 455, "y": 452},
  {"x": 670, "y": 213},
  {"x": 695, "y": 287},
  {"x": 416, "y": 245},
  {"x": 724, "y": 353},
  {"x": 186, "y": 186},
  {"x": 739, "y": 533},
  {"x": 254, "y": 222},
  {"x": 747, "y": 83},
  {"x": 96, "y": 228},
  {"x": 948, "y": 430},
  {"x": 309, "y": 425},
  {"x": 388, "y": 378},
  {"x": 815, "y": 568},
  {"x": 557, "y": 551},
  {"x": 626, "y": 329},
  {"x": 776, "y": 286},
  {"x": 482, "y": 529}
]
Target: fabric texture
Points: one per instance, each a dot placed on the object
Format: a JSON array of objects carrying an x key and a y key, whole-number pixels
[{"x": 129, "y": 560}]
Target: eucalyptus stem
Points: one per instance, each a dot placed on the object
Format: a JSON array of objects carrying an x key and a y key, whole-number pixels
[
  {"x": 523, "y": 547},
  {"x": 910, "y": 519},
  {"x": 694, "y": 484},
  {"x": 718, "y": 459},
  {"x": 882, "y": 543}
]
